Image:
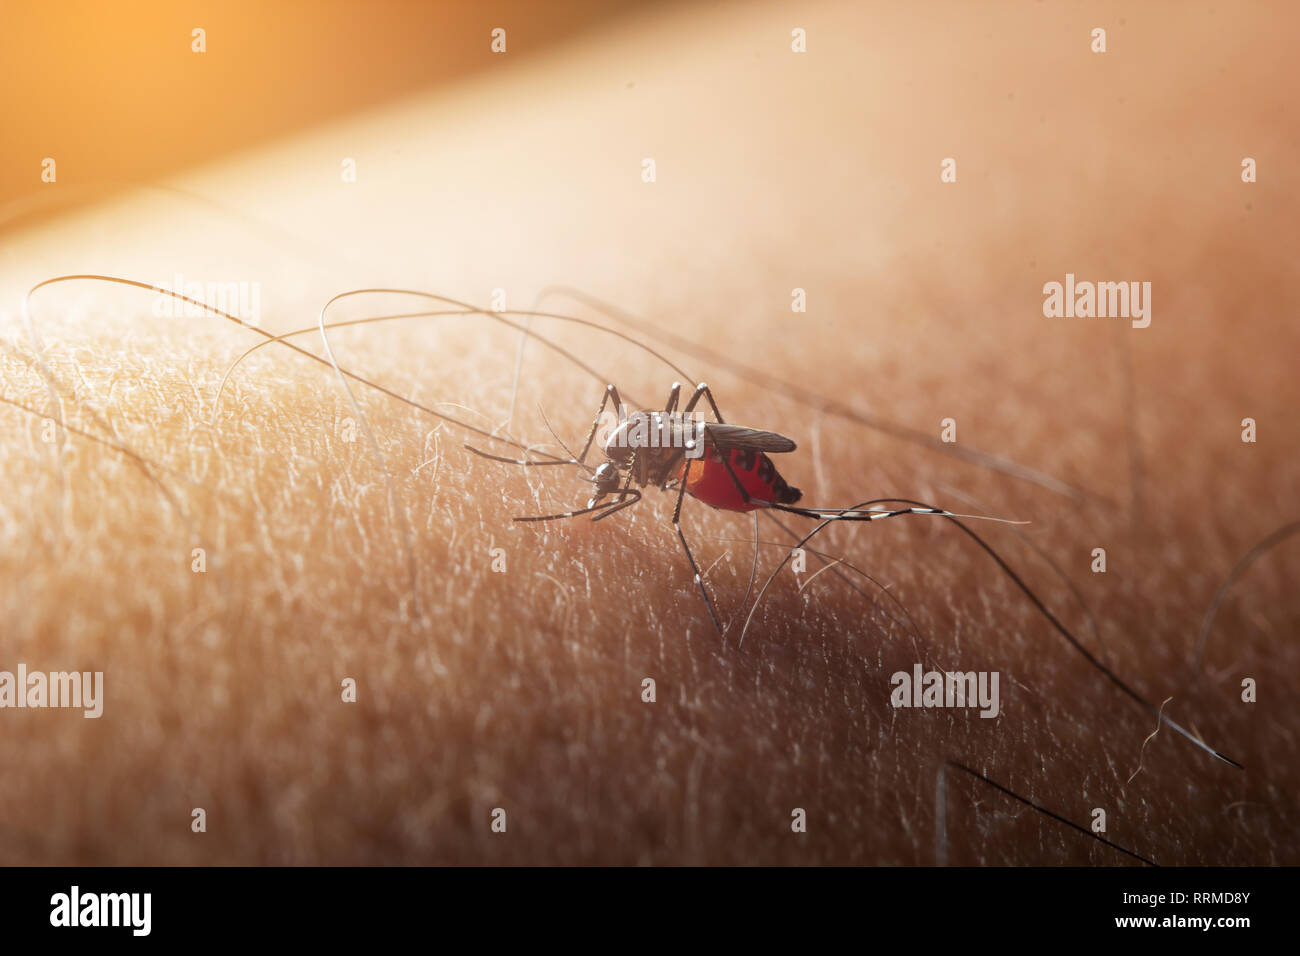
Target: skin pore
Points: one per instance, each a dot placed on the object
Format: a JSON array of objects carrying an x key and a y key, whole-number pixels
[{"x": 358, "y": 541}]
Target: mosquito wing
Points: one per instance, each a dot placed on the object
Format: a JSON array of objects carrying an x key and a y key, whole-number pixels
[{"x": 738, "y": 436}]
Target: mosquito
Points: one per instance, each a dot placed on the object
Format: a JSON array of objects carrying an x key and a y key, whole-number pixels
[
  {"x": 722, "y": 465},
  {"x": 727, "y": 467}
]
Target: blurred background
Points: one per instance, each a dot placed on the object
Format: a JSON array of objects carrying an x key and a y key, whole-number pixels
[{"x": 119, "y": 96}]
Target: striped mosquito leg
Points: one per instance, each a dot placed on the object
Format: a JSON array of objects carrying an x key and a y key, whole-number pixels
[{"x": 871, "y": 514}]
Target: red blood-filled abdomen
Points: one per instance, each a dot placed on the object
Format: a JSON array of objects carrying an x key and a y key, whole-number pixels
[{"x": 709, "y": 481}]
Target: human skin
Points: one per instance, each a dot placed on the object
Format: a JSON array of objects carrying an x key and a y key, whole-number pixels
[{"x": 522, "y": 688}]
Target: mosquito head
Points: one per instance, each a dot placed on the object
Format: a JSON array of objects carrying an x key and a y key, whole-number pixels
[{"x": 607, "y": 479}]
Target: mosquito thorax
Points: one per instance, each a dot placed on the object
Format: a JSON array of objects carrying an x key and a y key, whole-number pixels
[
  {"x": 649, "y": 430},
  {"x": 618, "y": 448}
]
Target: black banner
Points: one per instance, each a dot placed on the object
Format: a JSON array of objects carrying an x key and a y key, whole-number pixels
[{"x": 90, "y": 906}]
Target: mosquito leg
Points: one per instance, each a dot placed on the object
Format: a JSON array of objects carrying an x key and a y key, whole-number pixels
[
  {"x": 824, "y": 514},
  {"x": 852, "y": 514},
  {"x": 619, "y": 505},
  {"x": 674, "y": 394},
  {"x": 611, "y": 395},
  {"x": 703, "y": 391},
  {"x": 607, "y": 507},
  {"x": 677, "y": 525}
]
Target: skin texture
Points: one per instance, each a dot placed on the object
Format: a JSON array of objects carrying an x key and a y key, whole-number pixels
[{"x": 330, "y": 558}]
